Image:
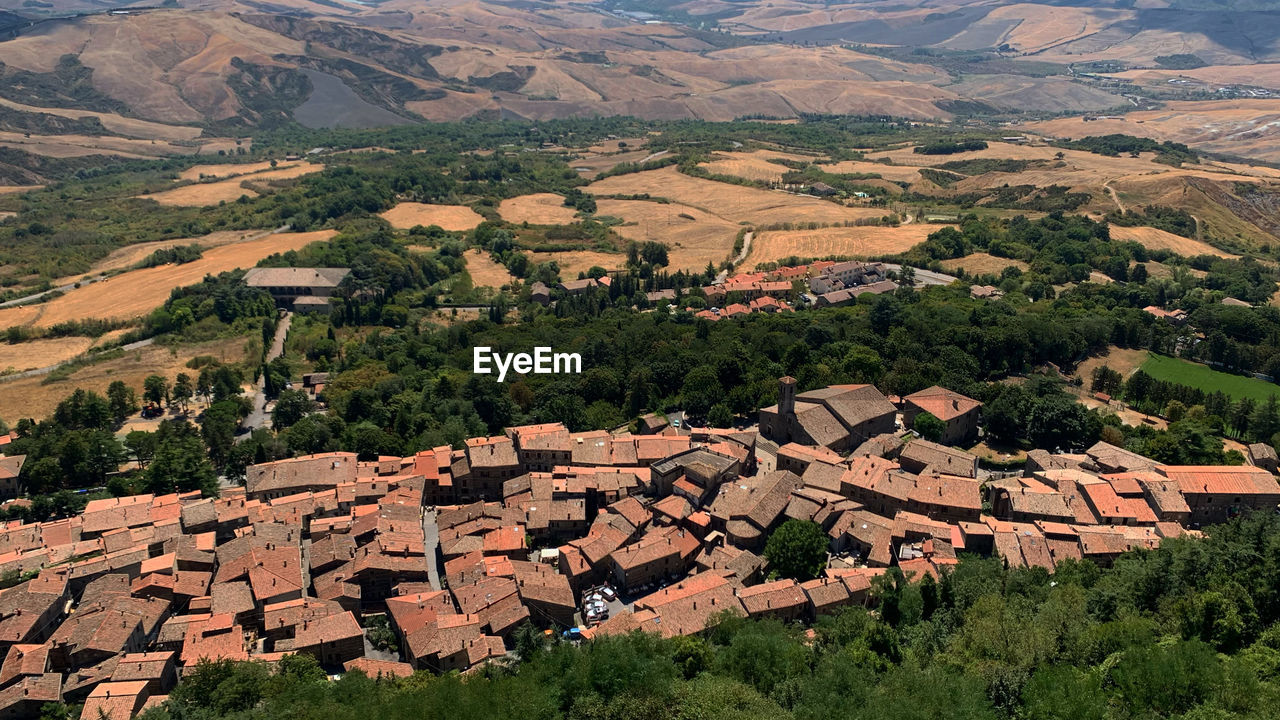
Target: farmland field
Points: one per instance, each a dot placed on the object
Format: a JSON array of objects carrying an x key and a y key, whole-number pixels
[
  {"x": 864, "y": 241},
  {"x": 572, "y": 262},
  {"x": 226, "y": 170},
  {"x": 733, "y": 203},
  {"x": 1154, "y": 239},
  {"x": 137, "y": 292},
  {"x": 983, "y": 264},
  {"x": 32, "y": 397},
  {"x": 694, "y": 237},
  {"x": 484, "y": 271},
  {"x": 41, "y": 353},
  {"x": 1170, "y": 369},
  {"x": 756, "y": 165},
  {"x": 537, "y": 209},
  {"x": 454, "y": 218},
  {"x": 129, "y": 255},
  {"x": 212, "y": 193}
]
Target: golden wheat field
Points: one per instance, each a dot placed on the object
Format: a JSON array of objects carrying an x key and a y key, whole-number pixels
[
  {"x": 1161, "y": 240},
  {"x": 754, "y": 165},
  {"x": 31, "y": 397},
  {"x": 982, "y": 264},
  {"x": 693, "y": 237},
  {"x": 537, "y": 209},
  {"x": 204, "y": 194},
  {"x": 572, "y": 262},
  {"x": 137, "y": 292},
  {"x": 226, "y": 170},
  {"x": 484, "y": 271},
  {"x": 866, "y": 241},
  {"x": 41, "y": 353},
  {"x": 734, "y": 203},
  {"x": 454, "y": 218}
]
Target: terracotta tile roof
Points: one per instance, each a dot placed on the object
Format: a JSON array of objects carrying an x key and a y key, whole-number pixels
[
  {"x": 1110, "y": 458},
  {"x": 412, "y": 612},
  {"x": 541, "y": 583},
  {"x": 1110, "y": 506},
  {"x": 750, "y": 506},
  {"x": 744, "y": 564},
  {"x": 143, "y": 666},
  {"x": 1221, "y": 479},
  {"x": 24, "y": 659},
  {"x": 333, "y": 628},
  {"x": 949, "y": 491},
  {"x": 688, "y": 606},
  {"x": 939, "y": 458},
  {"x": 632, "y": 510},
  {"x": 824, "y": 593},
  {"x": 653, "y": 546},
  {"x": 942, "y": 403},
  {"x": 772, "y": 597},
  {"x": 31, "y": 689},
  {"x": 824, "y": 476},
  {"x": 215, "y": 638},
  {"x": 297, "y": 474},
  {"x": 373, "y": 668}
]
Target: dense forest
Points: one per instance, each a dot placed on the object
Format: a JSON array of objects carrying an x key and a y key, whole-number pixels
[{"x": 1186, "y": 631}]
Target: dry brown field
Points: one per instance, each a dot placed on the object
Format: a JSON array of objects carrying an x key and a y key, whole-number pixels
[
  {"x": 901, "y": 173},
  {"x": 1162, "y": 240},
  {"x": 13, "y": 189},
  {"x": 30, "y": 397},
  {"x": 694, "y": 237},
  {"x": 454, "y": 218},
  {"x": 1246, "y": 128},
  {"x": 1122, "y": 360},
  {"x": 537, "y": 209},
  {"x": 866, "y": 241},
  {"x": 211, "y": 193},
  {"x": 484, "y": 271},
  {"x": 130, "y": 255},
  {"x": 41, "y": 353},
  {"x": 591, "y": 164},
  {"x": 733, "y": 203},
  {"x": 983, "y": 264},
  {"x": 227, "y": 170},
  {"x": 572, "y": 262},
  {"x": 754, "y": 165},
  {"x": 137, "y": 292}
]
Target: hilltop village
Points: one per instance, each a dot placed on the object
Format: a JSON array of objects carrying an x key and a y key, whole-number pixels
[{"x": 447, "y": 555}]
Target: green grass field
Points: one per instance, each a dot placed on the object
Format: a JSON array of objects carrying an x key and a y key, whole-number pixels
[{"x": 1206, "y": 378}]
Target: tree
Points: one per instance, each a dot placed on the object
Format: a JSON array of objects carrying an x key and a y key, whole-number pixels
[
  {"x": 155, "y": 389},
  {"x": 797, "y": 549},
  {"x": 929, "y": 426},
  {"x": 122, "y": 401},
  {"x": 180, "y": 463},
  {"x": 183, "y": 390},
  {"x": 720, "y": 416},
  {"x": 142, "y": 445},
  {"x": 291, "y": 406}
]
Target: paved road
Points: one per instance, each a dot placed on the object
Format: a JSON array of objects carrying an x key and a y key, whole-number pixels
[
  {"x": 63, "y": 288},
  {"x": 259, "y": 416},
  {"x": 746, "y": 250},
  {"x": 431, "y": 537},
  {"x": 36, "y": 372},
  {"x": 925, "y": 277}
]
